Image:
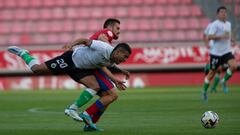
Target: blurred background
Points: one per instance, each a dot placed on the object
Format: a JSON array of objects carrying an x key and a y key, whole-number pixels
[{"x": 166, "y": 36}]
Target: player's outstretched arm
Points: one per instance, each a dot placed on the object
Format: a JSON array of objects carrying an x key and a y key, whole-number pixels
[
  {"x": 79, "y": 41},
  {"x": 118, "y": 82}
]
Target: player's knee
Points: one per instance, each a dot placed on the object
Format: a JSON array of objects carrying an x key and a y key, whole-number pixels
[
  {"x": 233, "y": 67},
  {"x": 95, "y": 87},
  {"x": 114, "y": 96},
  {"x": 37, "y": 70}
]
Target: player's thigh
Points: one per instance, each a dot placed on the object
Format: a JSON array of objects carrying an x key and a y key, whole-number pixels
[
  {"x": 90, "y": 82},
  {"x": 232, "y": 64},
  {"x": 41, "y": 69},
  {"x": 211, "y": 74}
]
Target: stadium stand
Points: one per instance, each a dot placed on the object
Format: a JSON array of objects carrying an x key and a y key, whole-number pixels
[{"x": 41, "y": 22}]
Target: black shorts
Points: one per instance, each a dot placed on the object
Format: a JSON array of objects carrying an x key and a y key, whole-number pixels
[
  {"x": 216, "y": 61},
  {"x": 63, "y": 64}
]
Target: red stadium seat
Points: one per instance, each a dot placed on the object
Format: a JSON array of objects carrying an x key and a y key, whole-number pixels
[
  {"x": 55, "y": 26},
  {"x": 179, "y": 35},
  {"x": 13, "y": 39},
  {"x": 23, "y": 4},
  {"x": 204, "y": 22},
  {"x": 53, "y": 38},
  {"x": 171, "y": 11},
  {"x": 45, "y": 14},
  {"x": 20, "y": 14},
  {"x": 144, "y": 24},
  {"x": 71, "y": 13},
  {"x": 17, "y": 27},
  {"x": 136, "y": 2},
  {"x": 123, "y": 2},
  {"x": 61, "y": 3},
  {"x": 121, "y": 12},
  {"x": 48, "y": 3},
  {"x": 146, "y": 11},
  {"x": 237, "y": 10},
  {"x": 134, "y": 11},
  {"x": 193, "y": 35},
  {"x": 169, "y": 24},
  {"x": 170, "y": 2},
  {"x": 186, "y": 2},
  {"x": 5, "y": 27},
  {"x": 42, "y": 27},
  {"x": 83, "y": 13},
  {"x": 9, "y": 3},
  {"x": 109, "y": 12},
  {"x": 149, "y": 2},
  {"x": 85, "y": 2},
  {"x": 159, "y": 11},
  {"x": 6, "y": 15},
  {"x": 94, "y": 25},
  {"x": 193, "y": 23},
  {"x": 99, "y": 2},
  {"x": 166, "y": 36},
  {"x": 35, "y": 3},
  {"x": 153, "y": 36},
  {"x": 132, "y": 25},
  {"x": 33, "y": 14},
  {"x": 160, "y": 2},
  {"x": 58, "y": 13},
  {"x": 97, "y": 13},
  {"x": 72, "y": 3},
  {"x": 195, "y": 10},
  {"x": 80, "y": 25},
  {"x": 184, "y": 11},
  {"x": 182, "y": 23},
  {"x": 68, "y": 26}
]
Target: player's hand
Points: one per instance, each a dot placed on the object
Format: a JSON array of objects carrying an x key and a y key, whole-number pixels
[
  {"x": 127, "y": 74},
  {"x": 120, "y": 84},
  {"x": 67, "y": 47}
]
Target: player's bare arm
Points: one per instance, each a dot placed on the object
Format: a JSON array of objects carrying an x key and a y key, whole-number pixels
[
  {"x": 79, "y": 41},
  {"x": 118, "y": 82},
  {"x": 214, "y": 37}
]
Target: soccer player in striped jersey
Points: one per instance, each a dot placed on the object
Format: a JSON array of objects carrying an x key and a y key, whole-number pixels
[{"x": 110, "y": 31}]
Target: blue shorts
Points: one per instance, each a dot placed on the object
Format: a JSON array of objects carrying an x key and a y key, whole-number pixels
[{"x": 103, "y": 80}]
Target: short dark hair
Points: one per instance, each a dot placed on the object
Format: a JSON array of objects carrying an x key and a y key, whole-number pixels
[
  {"x": 219, "y": 8},
  {"x": 123, "y": 46},
  {"x": 110, "y": 21}
]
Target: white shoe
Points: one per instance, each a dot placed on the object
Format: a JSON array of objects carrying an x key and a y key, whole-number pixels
[
  {"x": 16, "y": 50},
  {"x": 73, "y": 114}
]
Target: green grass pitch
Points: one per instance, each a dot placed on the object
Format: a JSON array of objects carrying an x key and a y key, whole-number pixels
[{"x": 148, "y": 111}]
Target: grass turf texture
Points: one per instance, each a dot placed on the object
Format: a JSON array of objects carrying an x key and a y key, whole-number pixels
[{"x": 148, "y": 111}]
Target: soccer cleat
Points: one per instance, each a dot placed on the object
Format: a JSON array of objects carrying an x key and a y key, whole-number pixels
[
  {"x": 88, "y": 128},
  {"x": 224, "y": 87},
  {"x": 204, "y": 96},
  {"x": 17, "y": 51},
  {"x": 88, "y": 120},
  {"x": 73, "y": 114}
]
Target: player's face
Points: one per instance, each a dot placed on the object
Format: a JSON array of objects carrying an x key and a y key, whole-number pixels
[
  {"x": 120, "y": 56},
  {"x": 222, "y": 14},
  {"x": 116, "y": 30}
]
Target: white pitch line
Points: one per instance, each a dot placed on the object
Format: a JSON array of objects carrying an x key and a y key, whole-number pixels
[{"x": 41, "y": 110}]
